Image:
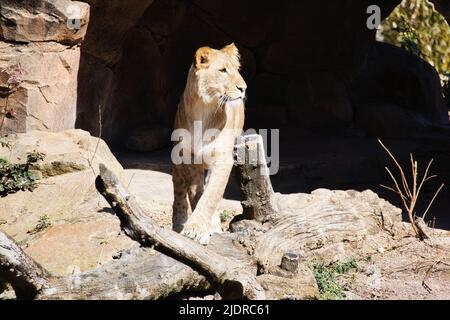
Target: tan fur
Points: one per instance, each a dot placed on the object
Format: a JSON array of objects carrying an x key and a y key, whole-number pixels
[{"x": 214, "y": 94}]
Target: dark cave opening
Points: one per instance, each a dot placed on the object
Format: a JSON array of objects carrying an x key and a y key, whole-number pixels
[{"x": 329, "y": 87}]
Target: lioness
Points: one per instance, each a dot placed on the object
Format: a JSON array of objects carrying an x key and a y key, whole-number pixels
[{"x": 214, "y": 98}]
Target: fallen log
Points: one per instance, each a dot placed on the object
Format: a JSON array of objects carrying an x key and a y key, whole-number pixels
[
  {"x": 138, "y": 274},
  {"x": 16, "y": 268},
  {"x": 233, "y": 280}
]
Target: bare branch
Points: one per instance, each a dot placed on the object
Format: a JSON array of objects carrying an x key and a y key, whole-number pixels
[
  {"x": 404, "y": 182},
  {"x": 398, "y": 188},
  {"x": 409, "y": 198},
  {"x": 393, "y": 190},
  {"x": 432, "y": 200},
  {"x": 425, "y": 175}
]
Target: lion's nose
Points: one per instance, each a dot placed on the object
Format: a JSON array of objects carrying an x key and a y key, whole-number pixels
[{"x": 241, "y": 88}]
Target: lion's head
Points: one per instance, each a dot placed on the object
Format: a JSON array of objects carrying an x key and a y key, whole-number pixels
[{"x": 215, "y": 75}]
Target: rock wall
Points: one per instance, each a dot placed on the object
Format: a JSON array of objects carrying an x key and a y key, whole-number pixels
[
  {"x": 122, "y": 70},
  {"x": 39, "y": 64}
]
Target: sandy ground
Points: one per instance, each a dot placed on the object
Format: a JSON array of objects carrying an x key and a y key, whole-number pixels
[{"x": 404, "y": 269}]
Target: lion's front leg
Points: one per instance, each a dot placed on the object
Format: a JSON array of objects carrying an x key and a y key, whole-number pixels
[
  {"x": 200, "y": 225},
  {"x": 181, "y": 209},
  {"x": 188, "y": 183}
]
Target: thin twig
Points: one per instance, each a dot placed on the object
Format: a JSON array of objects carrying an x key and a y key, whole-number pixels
[
  {"x": 100, "y": 116},
  {"x": 131, "y": 180},
  {"x": 398, "y": 188},
  {"x": 393, "y": 190},
  {"x": 428, "y": 273},
  {"x": 404, "y": 182},
  {"x": 103, "y": 243},
  {"x": 432, "y": 200},
  {"x": 425, "y": 178}
]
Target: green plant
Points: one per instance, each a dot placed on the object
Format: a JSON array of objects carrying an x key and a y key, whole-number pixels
[
  {"x": 416, "y": 26},
  {"x": 16, "y": 177},
  {"x": 5, "y": 144},
  {"x": 326, "y": 281},
  {"x": 35, "y": 156},
  {"x": 43, "y": 223},
  {"x": 224, "y": 216},
  {"x": 327, "y": 277},
  {"x": 409, "y": 38},
  {"x": 345, "y": 267}
]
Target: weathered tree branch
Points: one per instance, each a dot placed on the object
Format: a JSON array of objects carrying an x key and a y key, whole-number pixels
[
  {"x": 138, "y": 274},
  {"x": 25, "y": 275},
  {"x": 233, "y": 280}
]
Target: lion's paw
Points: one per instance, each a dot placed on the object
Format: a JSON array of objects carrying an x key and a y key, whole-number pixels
[{"x": 199, "y": 232}]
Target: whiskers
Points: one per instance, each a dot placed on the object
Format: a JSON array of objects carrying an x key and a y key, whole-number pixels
[
  {"x": 222, "y": 102},
  {"x": 224, "y": 99}
]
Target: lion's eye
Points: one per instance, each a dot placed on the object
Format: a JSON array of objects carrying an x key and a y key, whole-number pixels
[{"x": 224, "y": 70}]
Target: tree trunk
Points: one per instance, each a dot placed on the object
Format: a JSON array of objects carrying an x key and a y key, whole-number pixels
[{"x": 257, "y": 196}]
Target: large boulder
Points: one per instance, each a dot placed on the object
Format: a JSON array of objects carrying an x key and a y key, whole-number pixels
[
  {"x": 46, "y": 97},
  {"x": 82, "y": 233},
  {"x": 326, "y": 224},
  {"x": 38, "y": 41},
  {"x": 62, "y": 21},
  {"x": 65, "y": 152},
  {"x": 392, "y": 75}
]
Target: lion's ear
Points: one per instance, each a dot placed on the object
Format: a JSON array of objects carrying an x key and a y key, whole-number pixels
[
  {"x": 203, "y": 57},
  {"x": 232, "y": 51}
]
